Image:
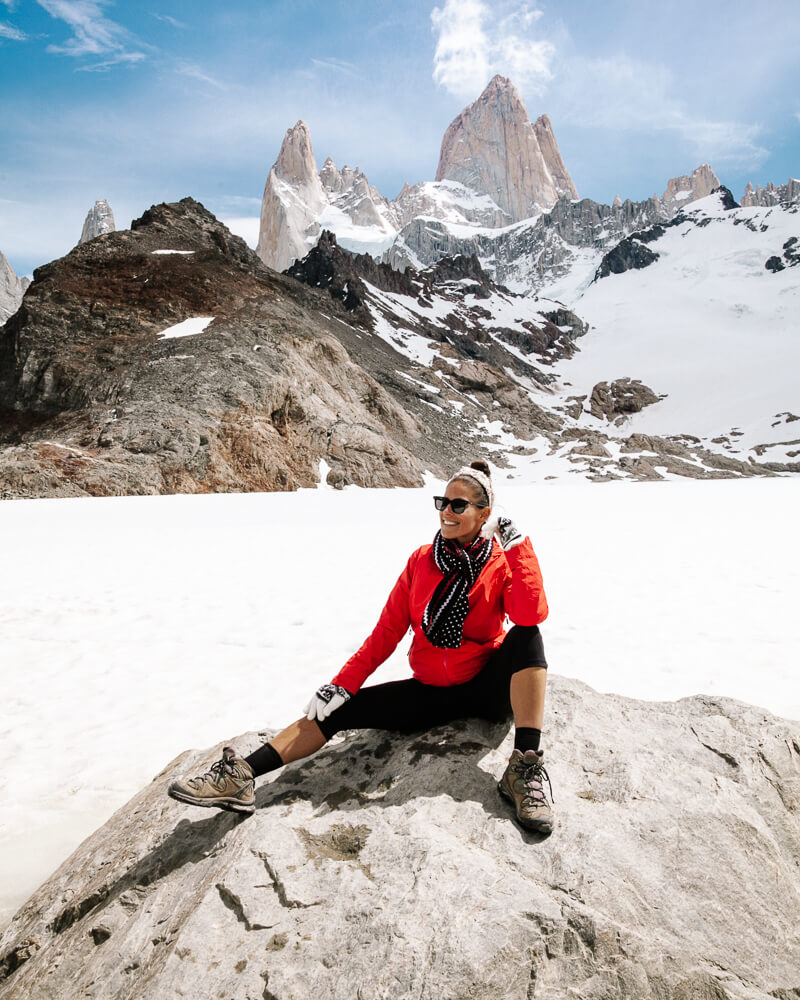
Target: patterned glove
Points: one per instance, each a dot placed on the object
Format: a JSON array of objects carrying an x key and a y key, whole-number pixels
[
  {"x": 508, "y": 533},
  {"x": 326, "y": 700}
]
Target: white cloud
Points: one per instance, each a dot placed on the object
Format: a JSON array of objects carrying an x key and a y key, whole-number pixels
[
  {"x": 9, "y": 31},
  {"x": 476, "y": 41},
  {"x": 93, "y": 33}
]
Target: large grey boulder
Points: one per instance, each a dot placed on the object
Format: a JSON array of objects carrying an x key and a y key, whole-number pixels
[{"x": 388, "y": 866}]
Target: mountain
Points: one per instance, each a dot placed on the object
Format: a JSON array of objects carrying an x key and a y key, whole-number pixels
[
  {"x": 99, "y": 220},
  {"x": 495, "y": 168},
  {"x": 168, "y": 358},
  {"x": 786, "y": 195},
  {"x": 493, "y": 149},
  {"x": 502, "y": 192},
  {"x": 12, "y": 289}
]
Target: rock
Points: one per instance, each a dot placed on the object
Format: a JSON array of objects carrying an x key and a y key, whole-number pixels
[
  {"x": 389, "y": 866},
  {"x": 683, "y": 190},
  {"x": 12, "y": 289},
  {"x": 493, "y": 148},
  {"x": 628, "y": 254},
  {"x": 293, "y": 199},
  {"x": 99, "y": 221},
  {"x": 774, "y": 264},
  {"x": 785, "y": 195},
  {"x": 616, "y": 399}
]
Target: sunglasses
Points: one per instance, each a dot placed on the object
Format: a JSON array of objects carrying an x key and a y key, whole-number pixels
[{"x": 458, "y": 505}]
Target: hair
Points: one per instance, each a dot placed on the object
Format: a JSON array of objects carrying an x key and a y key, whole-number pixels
[{"x": 483, "y": 470}]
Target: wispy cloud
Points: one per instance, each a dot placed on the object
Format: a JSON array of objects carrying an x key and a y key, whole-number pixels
[
  {"x": 9, "y": 31},
  {"x": 475, "y": 41},
  {"x": 169, "y": 20},
  {"x": 93, "y": 33},
  {"x": 195, "y": 72},
  {"x": 336, "y": 66},
  {"x": 622, "y": 94}
]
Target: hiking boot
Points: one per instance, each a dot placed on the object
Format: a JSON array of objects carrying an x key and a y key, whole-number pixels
[
  {"x": 228, "y": 785},
  {"x": 522, "y": 785}
]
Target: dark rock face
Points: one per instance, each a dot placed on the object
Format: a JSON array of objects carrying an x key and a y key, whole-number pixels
[
  {"x": 388, "y": 865},
  {"x": 774, "y": 264},
  {"x": 728, "y": 201},
  {"x": 628, "y": 254}
]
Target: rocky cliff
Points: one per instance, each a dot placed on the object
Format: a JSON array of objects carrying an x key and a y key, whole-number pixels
[
  {"x": 785, "y": 195},
  {"x": 12, "y": 289},
  {"x": 99, "y": 221},
  {"x": 293, "y": 198},
  {"x": 493, "y": 148},
  {"x": 389, "y": 866}
]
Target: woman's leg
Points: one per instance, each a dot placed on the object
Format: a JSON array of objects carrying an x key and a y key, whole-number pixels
[
  {"x": 300, "y": 739},
  {"x": 527, "y": 697}
]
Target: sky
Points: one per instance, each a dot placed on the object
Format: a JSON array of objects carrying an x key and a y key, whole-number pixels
[{"x": 139, "y": 103}]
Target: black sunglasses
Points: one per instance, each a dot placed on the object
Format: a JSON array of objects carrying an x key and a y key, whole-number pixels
[{"x": 458, "y": 505}]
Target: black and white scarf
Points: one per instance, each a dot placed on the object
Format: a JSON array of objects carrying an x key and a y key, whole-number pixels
[{"x": 443, "y": 619}]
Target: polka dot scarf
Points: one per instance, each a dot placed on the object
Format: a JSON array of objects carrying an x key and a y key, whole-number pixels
[{"x": 443, "y": 619}]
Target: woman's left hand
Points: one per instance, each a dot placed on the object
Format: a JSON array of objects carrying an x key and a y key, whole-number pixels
[{"x": 326, "y": 700}]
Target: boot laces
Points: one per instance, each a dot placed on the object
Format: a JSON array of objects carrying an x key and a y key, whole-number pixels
[
  {"x": 532, "y": 775},
  {"x": 215, "y": 775}
]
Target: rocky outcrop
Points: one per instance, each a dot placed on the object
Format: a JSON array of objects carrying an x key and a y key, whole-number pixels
[
  {"x": 12, "y": 289},
  {"x": 685, "y": 189},
  {"x": 389, "y": 866},
  {"x": 616, "y": 400},
  {"x": 785, "y": 195},
  {"x": 628, "y": 254},
  {"x": 99, "y": 221},
  {"x": 493, "y": 148},
  {"x": 293, "y": 200}
]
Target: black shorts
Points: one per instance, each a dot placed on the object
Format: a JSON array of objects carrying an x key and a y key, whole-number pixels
[{"x": 409, "y": 706}]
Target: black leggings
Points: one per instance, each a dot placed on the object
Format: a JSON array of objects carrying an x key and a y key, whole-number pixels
[{"x": 408, "y": 706}]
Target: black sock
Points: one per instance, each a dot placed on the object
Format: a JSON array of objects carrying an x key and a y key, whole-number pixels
[
  {"x": 526, "y": 738},
  {"x": 264, "y": 759}
]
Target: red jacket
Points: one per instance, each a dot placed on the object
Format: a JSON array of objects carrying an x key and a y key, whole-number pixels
[{"x": 509, "y": 584}]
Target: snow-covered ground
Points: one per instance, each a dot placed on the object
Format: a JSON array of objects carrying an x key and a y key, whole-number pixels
[
  {"x": 706, "y": 324},
  {"x": 134, "y": 628}
]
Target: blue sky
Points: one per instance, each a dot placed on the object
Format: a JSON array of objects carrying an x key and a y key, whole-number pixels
[{"x": 145, "y": 102}]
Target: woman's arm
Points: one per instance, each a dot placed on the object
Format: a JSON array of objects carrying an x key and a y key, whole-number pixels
[
  {"x": 393, "y": 624},
  {"x": 524, "y": 600}
]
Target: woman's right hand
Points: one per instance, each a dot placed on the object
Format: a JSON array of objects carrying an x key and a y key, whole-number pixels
[{"x": 325, "y": 700}]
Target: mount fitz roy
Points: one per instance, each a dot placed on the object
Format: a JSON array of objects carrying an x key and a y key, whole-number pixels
[{"x": 502, "y": 192}]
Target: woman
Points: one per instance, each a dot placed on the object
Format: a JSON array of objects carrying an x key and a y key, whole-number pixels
[{"x": 455, "y": 595}]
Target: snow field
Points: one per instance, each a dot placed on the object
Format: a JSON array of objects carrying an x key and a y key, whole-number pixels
[{"x": 134, "y": 628}]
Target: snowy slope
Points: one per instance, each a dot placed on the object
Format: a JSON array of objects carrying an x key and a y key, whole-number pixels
[
  {"x": 707, "y": 324},
  {"x": 163, "y": 623}
]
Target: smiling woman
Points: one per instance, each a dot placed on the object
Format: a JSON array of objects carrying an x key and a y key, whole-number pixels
[{"x": 455, "y": 595}]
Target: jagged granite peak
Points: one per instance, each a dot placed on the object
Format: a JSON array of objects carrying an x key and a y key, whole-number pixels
[
  {"x": 493, "y": 148},
  {"x": 293, "y": 199},
  {"x": 99, "y": 221},
  {"x": 785, "y": 195},
  {"x": 685, "y": 189},
  {"x": 12, "y": 288}
]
